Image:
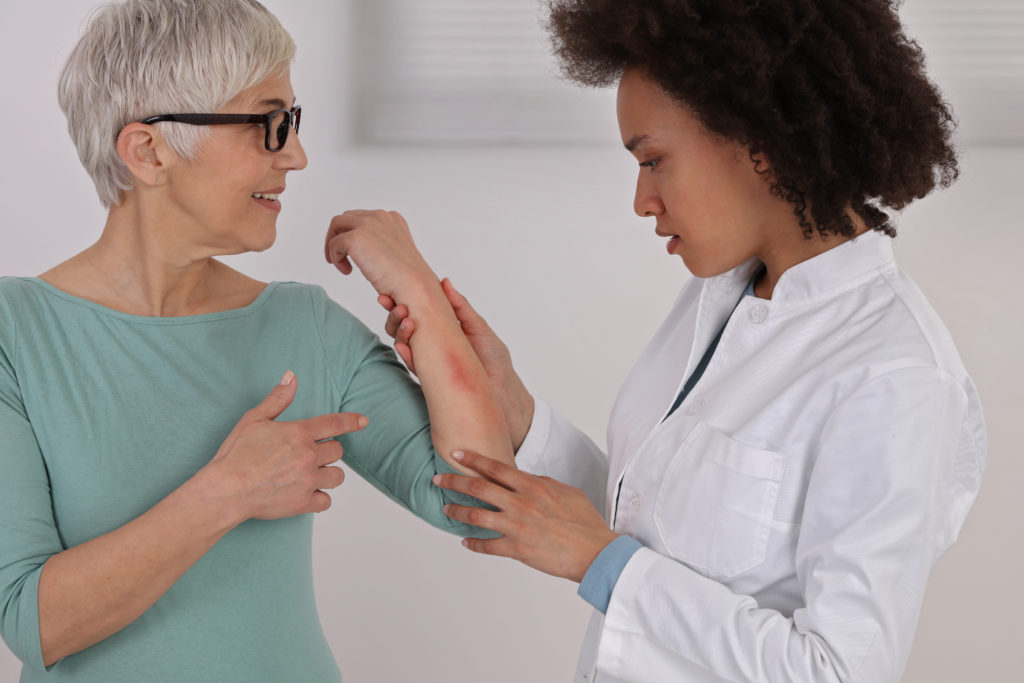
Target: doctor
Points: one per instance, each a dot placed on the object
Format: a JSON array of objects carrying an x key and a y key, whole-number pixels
[{"x": 799, "y": 442}]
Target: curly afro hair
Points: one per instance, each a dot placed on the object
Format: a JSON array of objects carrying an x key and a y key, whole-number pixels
[{"x": 831, "y": 92}]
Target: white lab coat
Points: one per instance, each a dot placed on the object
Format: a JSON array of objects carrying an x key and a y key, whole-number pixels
[{"x": 795, "y": 504}]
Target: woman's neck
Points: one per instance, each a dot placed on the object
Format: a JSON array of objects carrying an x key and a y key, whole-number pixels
[
  {"x": 789, "y": 247},
  {"x": 141, "y": 268}
]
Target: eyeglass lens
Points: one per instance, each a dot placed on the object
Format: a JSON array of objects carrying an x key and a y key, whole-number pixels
[{"x": 279, "y": 124}]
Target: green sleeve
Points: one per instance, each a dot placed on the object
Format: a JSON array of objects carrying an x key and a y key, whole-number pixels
[
  {"x": 394, "y": 453},
  {"x": 28, "y": 534}
]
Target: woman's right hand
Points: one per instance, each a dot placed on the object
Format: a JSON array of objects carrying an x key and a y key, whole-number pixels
[
  {"x": 279, "y": 469},
  {"x": 516, "y": 402}
]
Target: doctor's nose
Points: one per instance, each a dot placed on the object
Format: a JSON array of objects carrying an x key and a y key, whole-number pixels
[{"x": 646, "y": 202}]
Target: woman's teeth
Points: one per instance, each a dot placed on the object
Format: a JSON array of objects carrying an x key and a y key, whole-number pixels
[{"x": 264, "y": 195}]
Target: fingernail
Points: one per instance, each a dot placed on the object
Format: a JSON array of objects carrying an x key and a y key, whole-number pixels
[
  {"x": 465, "y": 543},
  {"x": 459, "y": 455},
  {"x": 437, "y": 481},
  {"x": 446, "y": 508},
  {"x": 287, "y": 379},
  {"x": 363, "y": 421}
]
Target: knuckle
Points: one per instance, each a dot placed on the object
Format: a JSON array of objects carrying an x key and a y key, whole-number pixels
[{"x": 477, "y": 487}]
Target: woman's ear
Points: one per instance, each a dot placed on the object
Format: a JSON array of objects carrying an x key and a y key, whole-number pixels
[
  {"x": 760, "y": 162},
  {"x": 144, "y": 153}
]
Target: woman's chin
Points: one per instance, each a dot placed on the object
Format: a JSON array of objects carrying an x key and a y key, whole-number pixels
[{"x": 264, "y": 242}]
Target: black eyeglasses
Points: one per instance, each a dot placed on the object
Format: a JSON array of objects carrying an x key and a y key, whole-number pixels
[{"x": 277, "y": 122}]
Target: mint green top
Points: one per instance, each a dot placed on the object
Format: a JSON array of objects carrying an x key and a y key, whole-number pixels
[{"x": 103, "y": 414}]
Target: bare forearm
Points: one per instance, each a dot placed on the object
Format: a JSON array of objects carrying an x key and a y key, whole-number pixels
[
  {"x": 464, "y": 410},
  {"x": 89, "y": 592},
  {"x": 517, "y": 406}
]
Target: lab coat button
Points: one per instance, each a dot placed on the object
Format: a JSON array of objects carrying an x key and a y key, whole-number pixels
[
  {"x": 758, "y": 314},
  {"x": 696, "y": 406}
]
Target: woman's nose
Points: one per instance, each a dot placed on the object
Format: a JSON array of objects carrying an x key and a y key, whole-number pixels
[
  {"x": 646, "y": 202},
  {"x": 292, "y": 156}
]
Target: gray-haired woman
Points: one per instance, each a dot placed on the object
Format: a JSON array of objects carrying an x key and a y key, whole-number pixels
[{"x": 155, "y": 522}]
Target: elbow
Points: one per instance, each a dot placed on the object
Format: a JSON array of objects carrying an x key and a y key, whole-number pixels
[
  {"x": 20, "y": 623},
  {"x": 873, "y": 664},
  {"x": 53, "y": 637}
]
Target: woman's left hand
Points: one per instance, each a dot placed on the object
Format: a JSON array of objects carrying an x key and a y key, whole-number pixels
[
  {"x": 543, "y": 523},
  {"x": 380, "y": 243}
]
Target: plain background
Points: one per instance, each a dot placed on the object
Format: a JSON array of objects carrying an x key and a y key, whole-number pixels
[{"x": 545, "y": 244}]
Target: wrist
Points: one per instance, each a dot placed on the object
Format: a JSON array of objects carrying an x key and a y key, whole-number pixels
[
  {"x": 521, "y": 418},
  {"x": 600, "y": 543},
  {"x": 215, "y": 495},
  {"x": 419, "y": 287}
]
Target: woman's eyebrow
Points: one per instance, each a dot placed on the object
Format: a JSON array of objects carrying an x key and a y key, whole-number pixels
[
  {"x": 276, "y": 102},
  {"x": 636, "y": 141}
]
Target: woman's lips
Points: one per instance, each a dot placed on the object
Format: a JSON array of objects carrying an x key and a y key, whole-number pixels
[
  {"x": 672, "y": 244},
  {"x": 272, "y": 204}
]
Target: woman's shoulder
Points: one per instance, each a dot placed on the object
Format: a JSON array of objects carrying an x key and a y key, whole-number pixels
[
  {"x": 17, "y": 293},
  {"x": 330, "y": 315}
]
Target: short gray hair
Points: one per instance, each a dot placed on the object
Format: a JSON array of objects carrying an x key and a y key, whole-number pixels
[{"x": 139, "y": 58}]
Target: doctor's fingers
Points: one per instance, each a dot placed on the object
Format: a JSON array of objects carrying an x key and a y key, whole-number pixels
[
  {"x": 396, "y": 316},
  {"x": 506, "y": 475},
  {"x": 479, "y": 488},
  {"x": 480, "y": 517}
]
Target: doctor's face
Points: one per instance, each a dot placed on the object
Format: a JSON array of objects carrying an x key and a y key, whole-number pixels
[{"x": 703, "y": 192}]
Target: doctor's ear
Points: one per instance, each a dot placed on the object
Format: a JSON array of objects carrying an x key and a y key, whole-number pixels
[
  {"x": 145, "y": 154},
  {"x": 759, "y": 160}
]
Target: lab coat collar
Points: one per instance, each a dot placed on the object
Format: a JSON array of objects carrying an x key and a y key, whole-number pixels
[{"x": 818, "y": 276}]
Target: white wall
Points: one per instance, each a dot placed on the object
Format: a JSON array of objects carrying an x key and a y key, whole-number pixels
[{"x": 545, "y": 244}]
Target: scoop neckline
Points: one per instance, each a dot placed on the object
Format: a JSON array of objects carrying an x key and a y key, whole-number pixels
[{"x": 156, "y": 320}]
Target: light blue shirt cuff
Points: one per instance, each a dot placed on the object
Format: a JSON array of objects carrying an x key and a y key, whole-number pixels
[{"x": 599, "y": 581}]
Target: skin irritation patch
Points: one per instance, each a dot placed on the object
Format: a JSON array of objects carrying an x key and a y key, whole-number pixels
[{"x": 461, "y": 379}]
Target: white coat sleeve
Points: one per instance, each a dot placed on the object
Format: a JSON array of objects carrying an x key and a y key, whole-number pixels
[
  {"x": 890, "y": 465},
  {"x": 555, "y": 448}
]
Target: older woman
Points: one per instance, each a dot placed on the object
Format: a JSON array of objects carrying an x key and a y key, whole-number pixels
[
  {"x": 154, "y": 498},
  {"x": 800, "y": 442}
]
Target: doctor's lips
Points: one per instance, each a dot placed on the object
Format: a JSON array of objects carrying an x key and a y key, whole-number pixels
[{"x": 672, "y": 243}]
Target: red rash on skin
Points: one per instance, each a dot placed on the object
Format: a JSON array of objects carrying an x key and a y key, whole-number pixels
[{"x": 457, "y": 371}]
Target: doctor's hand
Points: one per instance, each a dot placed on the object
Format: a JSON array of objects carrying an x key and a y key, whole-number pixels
[
  {"x": 543, "y": 523},
  {"x": 516, "y": 401}
]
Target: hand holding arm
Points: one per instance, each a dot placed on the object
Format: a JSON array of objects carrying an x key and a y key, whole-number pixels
[
  {"x": 543, "y": 523},
  {"x": 462, "y": 406},
  {"x": 517, "y": 404}
]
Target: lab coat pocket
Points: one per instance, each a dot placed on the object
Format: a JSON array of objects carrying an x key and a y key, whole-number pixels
[{"x": 716, "y": 501}]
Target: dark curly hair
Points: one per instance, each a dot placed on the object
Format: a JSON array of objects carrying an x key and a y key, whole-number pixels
[{"x": 831, "y": 93}]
